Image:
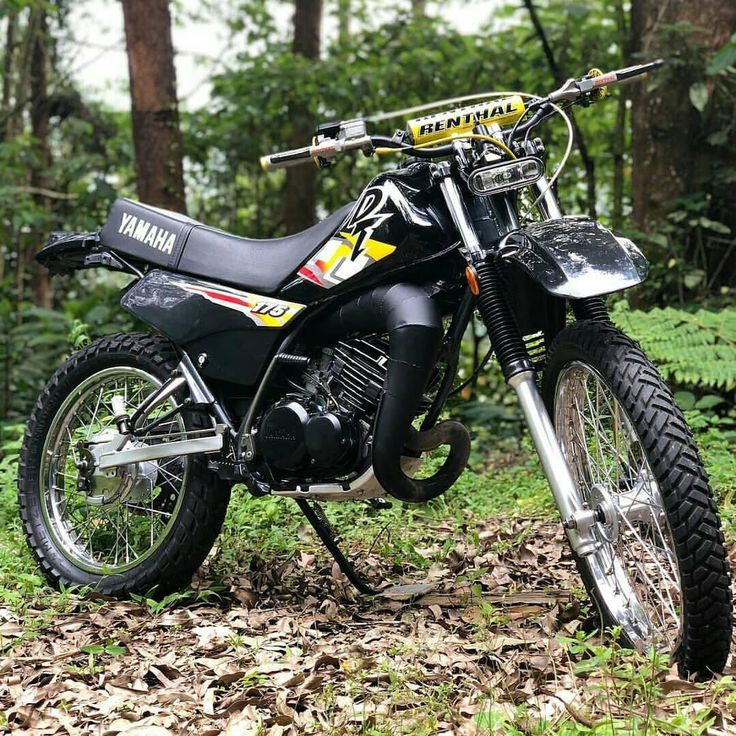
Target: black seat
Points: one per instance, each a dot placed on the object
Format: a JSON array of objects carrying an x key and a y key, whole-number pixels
[
  {"x": 179, "y": 243},
  {"x": 258, "y": 265}
]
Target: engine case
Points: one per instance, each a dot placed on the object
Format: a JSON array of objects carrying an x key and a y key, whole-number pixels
[{"x": 296, "y": 435}]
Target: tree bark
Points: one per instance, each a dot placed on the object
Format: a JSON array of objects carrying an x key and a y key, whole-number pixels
[
  {"x": 671, "y": 154},
  {"x": 300, "y": 193},
  {"x": 22, "y": 95},
  {"x": 155, "y": 113},
  {"x": 418, "y": 9},
  {"x": 619, "y": 132},
  {"x": 343, "y": 22},
  {"x": 39, "y": 175},
  {"x": 559, "y": 78},
  {"x": 8, "y": 72}
]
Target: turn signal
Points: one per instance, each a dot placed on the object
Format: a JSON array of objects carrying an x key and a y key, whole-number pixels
[{"x": 472, "y": 278}]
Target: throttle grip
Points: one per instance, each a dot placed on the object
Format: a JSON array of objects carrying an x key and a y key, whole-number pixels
[{"x": 285, "y": 159}]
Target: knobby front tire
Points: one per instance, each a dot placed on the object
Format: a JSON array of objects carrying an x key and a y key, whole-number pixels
[
  {"x": 661, "y": 572},
  {"x": 152, "y": 531}
]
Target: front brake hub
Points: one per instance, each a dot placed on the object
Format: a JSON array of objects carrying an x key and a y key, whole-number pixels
[{"x": 606, "y": 511}]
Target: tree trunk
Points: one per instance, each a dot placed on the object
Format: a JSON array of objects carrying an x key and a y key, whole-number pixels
[
  {"x": 343, "y": 22},
  {"x": 39, "y": 174},
  {"x": 8, "y": 71},
  {"x": 22, "y": 95},
  {"x": 672, "y": 157},
  {"x": 300, "y": 193},
  {"x": 618, "y": 142},
  {"x": 155, "y": 113},
  {"x": 418, "y": 9}
]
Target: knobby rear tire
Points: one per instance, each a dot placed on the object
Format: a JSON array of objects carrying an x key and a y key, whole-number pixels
[
  {"x": 204, "y": 496},
  {"x": 683, "y": 483}
]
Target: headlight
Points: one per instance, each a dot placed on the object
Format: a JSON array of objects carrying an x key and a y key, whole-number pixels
[{"x": 506, "y": 175}]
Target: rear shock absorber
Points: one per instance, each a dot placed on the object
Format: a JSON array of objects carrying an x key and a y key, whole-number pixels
[{"x": 503, "y": 332}]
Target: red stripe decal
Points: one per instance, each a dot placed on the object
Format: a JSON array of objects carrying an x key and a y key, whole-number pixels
[
  {"x": 307, "y": 274},
  {"x": 220, "y": 296}
]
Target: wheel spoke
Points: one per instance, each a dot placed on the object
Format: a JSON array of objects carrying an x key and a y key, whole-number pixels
[
  {"x": 636, "y": 569},
  {"x": 128, "y": 519}
]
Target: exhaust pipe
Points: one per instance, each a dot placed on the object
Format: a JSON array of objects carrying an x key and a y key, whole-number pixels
[{"x": 414, "y": 326}]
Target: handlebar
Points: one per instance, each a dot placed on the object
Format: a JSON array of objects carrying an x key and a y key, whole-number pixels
[
  {"x": 284, "y": 159},
  {"x": 574, "y": 89},
  {"x": 349, "y": 135}
]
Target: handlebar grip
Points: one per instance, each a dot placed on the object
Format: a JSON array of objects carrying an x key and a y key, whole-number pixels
[
  {"x": 634, "y": 71},
  {"x": 285, "y": 159}
]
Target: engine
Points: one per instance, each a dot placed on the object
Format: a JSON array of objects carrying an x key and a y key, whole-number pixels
[{"x": 321, "y": 428}]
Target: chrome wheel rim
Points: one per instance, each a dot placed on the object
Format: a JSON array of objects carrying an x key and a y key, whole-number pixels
[
  {"x": 634, "y": 567},
  {"x": 112, "y": 529}
]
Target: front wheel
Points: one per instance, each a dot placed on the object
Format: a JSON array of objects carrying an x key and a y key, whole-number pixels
[{"x": 659, "y": 572}]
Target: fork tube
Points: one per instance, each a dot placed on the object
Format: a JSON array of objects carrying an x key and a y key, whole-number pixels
[
  {"x": 459, "y": 214},
  {"x": 576, "y": 520},
  {"x": 519, "y": 373},
  {"x": 548, "y": 205}
]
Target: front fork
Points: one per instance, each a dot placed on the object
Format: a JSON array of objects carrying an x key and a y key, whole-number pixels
[
  {"x": 519, "y": 373},
  {"x": 577, "y": 520}
]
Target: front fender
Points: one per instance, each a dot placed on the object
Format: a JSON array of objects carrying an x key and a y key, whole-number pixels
[{"x": 576, "y": 257}]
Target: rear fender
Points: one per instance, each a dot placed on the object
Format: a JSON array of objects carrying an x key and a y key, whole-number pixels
[
  {"x": 68, "y": 252},
  {"x": 576, "y": 257}
]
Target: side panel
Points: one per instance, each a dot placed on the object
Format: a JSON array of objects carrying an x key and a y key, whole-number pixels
[
  {"x": 396, "y": 222},
  {"x": 576, "y": 257},
  {"x": 238, "y": 331}
]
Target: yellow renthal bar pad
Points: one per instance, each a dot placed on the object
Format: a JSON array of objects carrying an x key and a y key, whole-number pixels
[{"x": 505, "y": 111}]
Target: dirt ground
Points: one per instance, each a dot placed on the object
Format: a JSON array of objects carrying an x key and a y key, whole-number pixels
[{"x": 288, "y": 647}]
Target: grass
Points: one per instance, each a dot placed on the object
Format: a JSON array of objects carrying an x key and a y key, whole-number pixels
[{"x": 509, "y": 485}]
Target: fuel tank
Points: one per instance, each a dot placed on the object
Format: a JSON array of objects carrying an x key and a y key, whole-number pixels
[{"x": 398, "y": 221}]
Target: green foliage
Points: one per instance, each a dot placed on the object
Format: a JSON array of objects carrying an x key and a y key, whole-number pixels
[
  {"x": 387, "y": 63},
  {"x": 694, "y": 349},
  {"x": 32, "y": 342},
  {"x": 724, "y": 58},
  {"x": 20, "y": 582}
]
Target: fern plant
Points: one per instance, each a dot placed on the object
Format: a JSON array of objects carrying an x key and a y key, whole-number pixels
[
  {"x": 693, "y": 349},
  {"x": 32, "y": 343}
]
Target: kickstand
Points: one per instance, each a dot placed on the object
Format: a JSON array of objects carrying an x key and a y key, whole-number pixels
[{"x": 320, "y": 524}]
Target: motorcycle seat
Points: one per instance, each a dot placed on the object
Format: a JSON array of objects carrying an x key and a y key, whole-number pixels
[{"x": 181, "y": 244}]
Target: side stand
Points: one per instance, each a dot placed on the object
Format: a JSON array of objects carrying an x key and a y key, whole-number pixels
[{"x": 320, "y": 524}]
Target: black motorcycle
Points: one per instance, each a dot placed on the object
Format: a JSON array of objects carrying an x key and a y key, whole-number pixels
[{"x": 317, "y": 366}]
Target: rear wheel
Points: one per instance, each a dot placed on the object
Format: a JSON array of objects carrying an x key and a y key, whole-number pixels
[
  {"x": 139, "y": 526},
  {"x": 660, "y": 570}
]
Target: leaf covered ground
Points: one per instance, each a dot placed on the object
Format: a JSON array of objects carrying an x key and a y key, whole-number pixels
[{"x": 277, "y": 642}]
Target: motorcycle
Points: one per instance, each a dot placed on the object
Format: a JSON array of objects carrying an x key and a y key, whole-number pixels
[{"x": 300, "y": 366}]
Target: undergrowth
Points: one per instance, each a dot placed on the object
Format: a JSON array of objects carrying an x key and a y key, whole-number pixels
[{"x": 693, "y": 349}]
